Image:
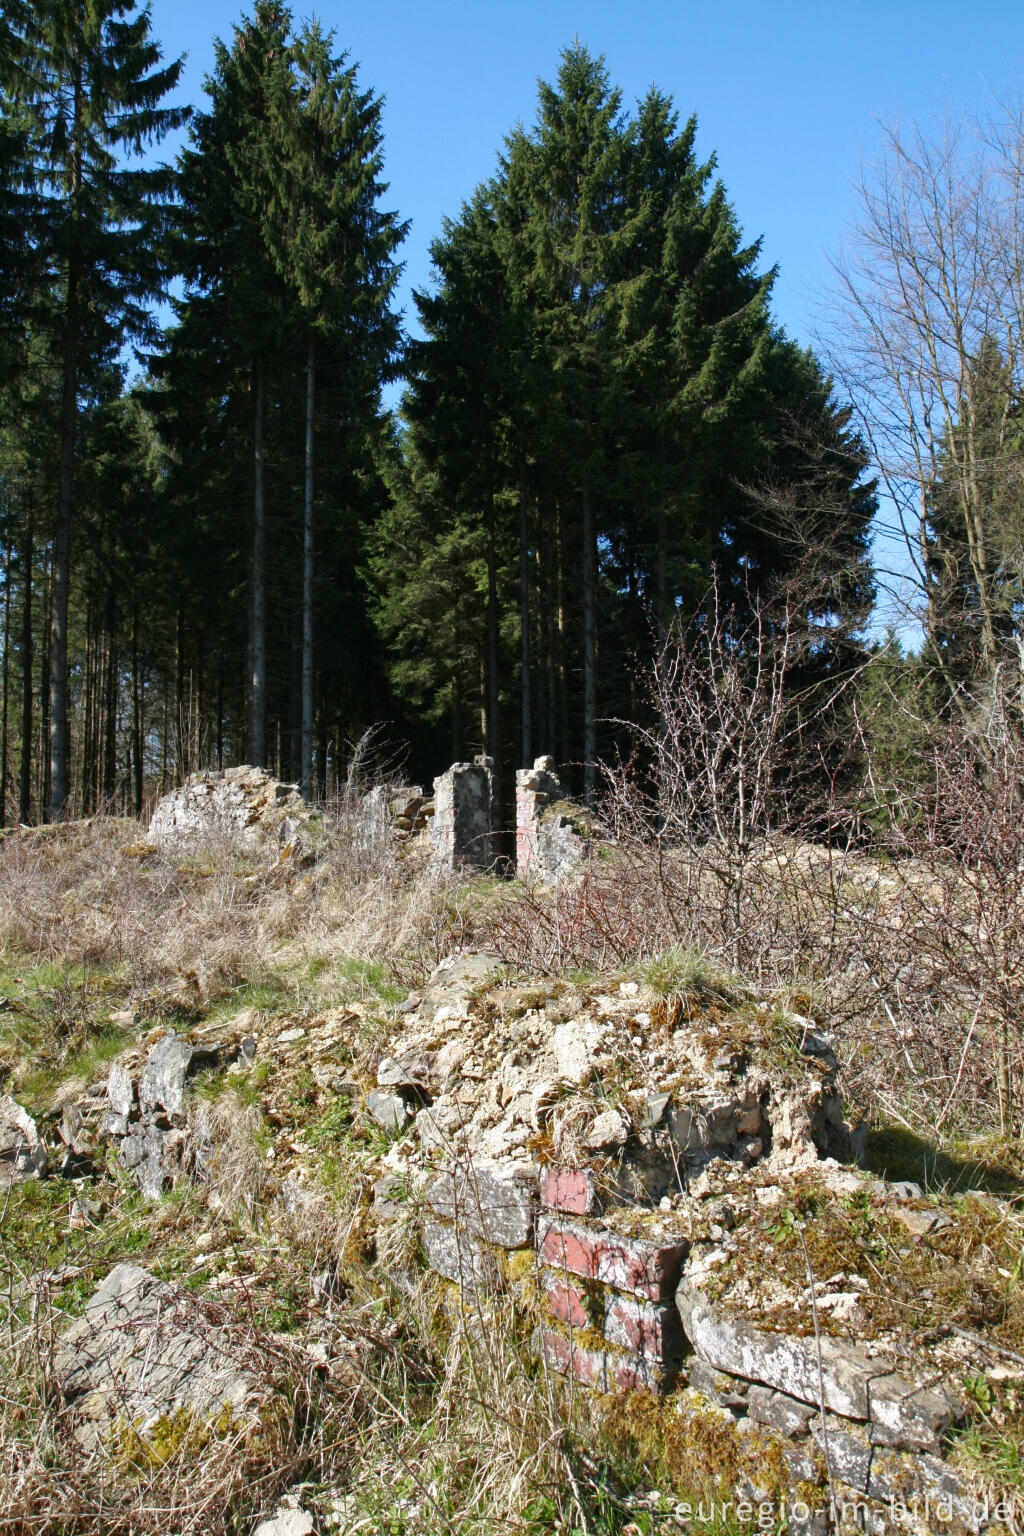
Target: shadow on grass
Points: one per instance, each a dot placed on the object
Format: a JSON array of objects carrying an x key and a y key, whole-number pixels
[{"x": 894, "y": 1153}]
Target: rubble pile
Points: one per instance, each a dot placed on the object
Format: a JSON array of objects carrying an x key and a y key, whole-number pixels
[
  {"x": 244, "y": 806},
  {"x": 659, "y": 1178}
]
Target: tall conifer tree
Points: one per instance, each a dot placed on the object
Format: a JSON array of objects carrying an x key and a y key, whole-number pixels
[{"x": 93, "y": 86}]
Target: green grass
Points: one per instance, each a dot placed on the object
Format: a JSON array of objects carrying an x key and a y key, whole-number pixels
[{"x": 993, "y": 1165}]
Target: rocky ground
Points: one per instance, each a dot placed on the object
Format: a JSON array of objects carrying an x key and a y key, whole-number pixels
[{"x": 442, "y": 1246}]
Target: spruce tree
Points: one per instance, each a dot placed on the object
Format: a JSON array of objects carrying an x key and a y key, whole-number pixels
[
  {"x": 334, "y": 249},
  {"x": 92, "y": 86},
  {"x": 235, "y": 316}
]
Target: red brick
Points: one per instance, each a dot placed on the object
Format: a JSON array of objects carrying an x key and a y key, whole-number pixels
[
  {"x": 636, "y": 1264},
  {"x": 575, "y": 1193},
  {"x": 565, "y": 1301},
  {"x": 644, "y": 1329},
  {"x": 601, "y": 1369}
]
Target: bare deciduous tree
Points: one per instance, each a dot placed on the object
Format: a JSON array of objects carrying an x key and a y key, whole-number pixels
[{"x": 931, "y": 280}]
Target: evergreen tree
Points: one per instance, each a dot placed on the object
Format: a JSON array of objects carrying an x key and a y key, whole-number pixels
[
  {"x": 92, "y": 86},
  {"x": 602, "y": 381},
  {"x": 334, "y": 248},
  {"x": 234, "y": 320}
]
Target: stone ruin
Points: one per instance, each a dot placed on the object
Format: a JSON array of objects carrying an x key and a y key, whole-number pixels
[
  {"x": 616, "y": 1158},
  {"x": 248, "y": 807},
  {"x": 462, "y": 830},
  {"x": 550, "y": 835},
  {"x": 244, "y": 806}
]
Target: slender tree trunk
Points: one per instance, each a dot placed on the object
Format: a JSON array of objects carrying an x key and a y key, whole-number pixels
[
  {"x": 110, "y": 743},
  {"x": 563, "y": 681},
  {"x": 6, "y": 682},
  {"x": 589, "y": 642},
  {"x": 46, "y": 783},
  {"x": 137, "y": 763},
  {"x": 456, "y": 719},
  {"x": 306, "y": 733},
  {"x": 181, "y": 725},
  {"x": 86, "y": 712},
  {"x": 220, "y": 712},
  {"x": 58, "y": 799},
  {"x": 257, "y": 587},
  {"x": 524, "y": 611},
  {"x": 25, "y": 767},
  {"x": 165, "y": 735},
  {"x": 493, "y": 741}
]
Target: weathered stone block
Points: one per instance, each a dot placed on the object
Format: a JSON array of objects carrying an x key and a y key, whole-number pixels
[
  {"x": 853, "y": 1383},
  {"x": 644, "y": 1266},
  {"x": 162, "y": 1084},
  {"x": 548, "y": 843},
  {"x": 786, "y": 1414},
  {"x": 120, "y": 1090},
  {"x": 456, "y": 1255},
  {"x": 388, "y": 1109},
  {"x": 492, "y": 1200},
  {"x": 461, "y": 832},
  {"x": 572, "y": 1192}
]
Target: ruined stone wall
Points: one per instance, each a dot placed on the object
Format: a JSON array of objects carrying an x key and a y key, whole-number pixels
[
  {"x": 549, "y": 842},
  {"x": 462, "y": 829}
]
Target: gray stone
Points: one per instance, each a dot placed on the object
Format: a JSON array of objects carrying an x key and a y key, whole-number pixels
[
  {"x": 461, "y": 832},
  {"x": 455, "y": 979},
  {"x": 786, "y": 1414},
  {"x": 142, "y": 1151},
  {"x": 494, "y": 1201},
  {"x": 388, "y": 1109},
  {"x": 245, "y": 806},
  {"x": 853, "y": 1384},
  {"x": 120, "y": 1090},
  {"x": 608, "y": 1130},
  {"x": 403, "y": 1072},
  {"x": 904, "y": 1415},
  {"x": 657, "y": 1103},
  {"x": 920, "y": 1223},
  {"x": 162, "y": 1084},
  {"x": 288, "y": 1521},
  {"x": 144, "y": 1350},
  {"x": 722, "y": 1390},
  {"x": 17, "y": 1128},
  {"x": 549, "y": 843},
  {"x": 456, "y": 1255}
]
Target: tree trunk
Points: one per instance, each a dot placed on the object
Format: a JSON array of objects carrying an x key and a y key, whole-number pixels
[
  {"x": 58, "y": 799},
  {"x": 138, "y": 766},
  {"x": 589, "y": 642},
  {"x": 493, "y": 741},
  {"x": 43, "y": 756},
  {"x": 524, "y": 612},
  {"x": 25, "y": 767},
  {"x": 110, "y": 741},
  {"x": 6, "y": 682},
  {"x": 306, "y": 730},
  {"x": 257, "y": 585},
  {"x": 563, "y": 682}
]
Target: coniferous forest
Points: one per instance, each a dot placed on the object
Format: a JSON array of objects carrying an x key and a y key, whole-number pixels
[{"x": 220, "y": 546}]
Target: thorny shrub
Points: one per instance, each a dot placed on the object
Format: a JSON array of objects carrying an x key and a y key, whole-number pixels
[{"x": 738, "y": 830}]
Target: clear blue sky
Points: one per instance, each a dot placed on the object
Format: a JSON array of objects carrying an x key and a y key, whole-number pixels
[{"x": 786, "y": 94}]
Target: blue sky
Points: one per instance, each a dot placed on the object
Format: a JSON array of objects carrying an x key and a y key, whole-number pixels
[{"x": 787, "y": 94}]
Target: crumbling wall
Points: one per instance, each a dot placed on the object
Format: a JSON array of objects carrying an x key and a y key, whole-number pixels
[
  {"x": 244, "y": 805},
  {"x": 462, "y": 831},
  {"x": 549, "y": 840}
]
